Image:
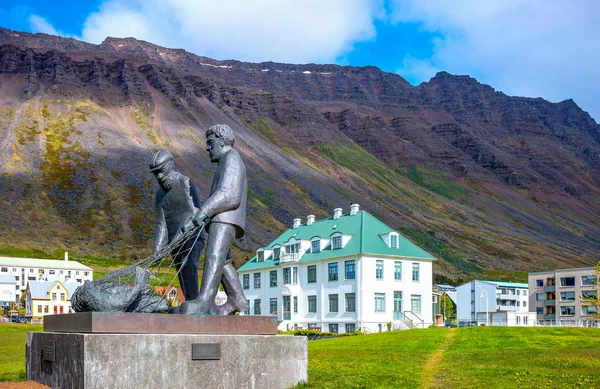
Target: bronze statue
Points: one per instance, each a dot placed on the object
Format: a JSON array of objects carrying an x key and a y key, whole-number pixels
[
  {"x": 176, "y": 202},
  {"x": 224, "y": 213}
]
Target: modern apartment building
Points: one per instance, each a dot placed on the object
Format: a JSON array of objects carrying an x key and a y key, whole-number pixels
[
  {"x": 340, "y": 274},
  {"x": 556, "y": 295},
  {"x": 31, "y": 269},
  {"x": 494, "y": 303}
]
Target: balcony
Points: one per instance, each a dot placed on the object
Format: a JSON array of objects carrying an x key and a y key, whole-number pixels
[
  {"x": 289, "y": 257},
  {"x": 508, "y": 308},
  {"x": 549, "y": 303},
  {"x": 550, "y": 288},
  {"x": 550, "y": 317},
  {"x": 502, "y": 296}
]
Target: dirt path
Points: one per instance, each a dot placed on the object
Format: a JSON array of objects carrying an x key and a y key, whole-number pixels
[{"x": 431, "y": 366}]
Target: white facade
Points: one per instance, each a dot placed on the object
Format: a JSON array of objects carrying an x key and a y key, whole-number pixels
[
  {"x": 479, "y": 300},
  {"x": 371, "y": 290},
  {"x": 7, "y": 289},
  {"x": 48, "y": 298},
  {"x": 30, "y": 269}
]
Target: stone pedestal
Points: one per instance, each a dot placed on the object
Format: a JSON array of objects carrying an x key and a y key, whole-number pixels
[{"x": 172, "y": 360}]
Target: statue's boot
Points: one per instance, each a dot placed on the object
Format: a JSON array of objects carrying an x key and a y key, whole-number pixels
[{"x": 236, "y": 301}]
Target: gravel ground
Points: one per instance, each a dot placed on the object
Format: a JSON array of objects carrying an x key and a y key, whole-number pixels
[{"x": 22, "y": 385}]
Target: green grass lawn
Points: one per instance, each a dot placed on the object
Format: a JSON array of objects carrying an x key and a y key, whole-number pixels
[
  {"x": 12, "y": 350},
  {"x": 472, "y": 357},
  {"x": 476, "y": 357}
]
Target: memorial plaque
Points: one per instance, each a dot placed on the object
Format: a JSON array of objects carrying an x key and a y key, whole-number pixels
[
  {"x": 206, "y": 351},
  {"x": 48, "y": 350}
]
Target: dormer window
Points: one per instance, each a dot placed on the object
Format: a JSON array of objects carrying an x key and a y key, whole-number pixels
[
  {"x": 315, "y": 246},
  {"x": 336, "y": 242},
  {"x": 393, "y": 240},
  {"x": 276, "y": 252},
  {"x": 260, "y": 256}
]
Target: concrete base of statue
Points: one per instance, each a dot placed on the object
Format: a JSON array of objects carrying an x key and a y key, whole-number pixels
[{"x": 114, "y": 359}]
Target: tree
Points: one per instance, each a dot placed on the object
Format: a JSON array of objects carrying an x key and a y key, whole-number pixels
[
  {"x": 447, "y": 307},
  {"x": 592, "y": 301}
]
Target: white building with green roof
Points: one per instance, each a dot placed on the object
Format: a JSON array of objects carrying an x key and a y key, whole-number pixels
[
  {"x": 34, "y": 269},
  {"x": 340, "y": 274}
]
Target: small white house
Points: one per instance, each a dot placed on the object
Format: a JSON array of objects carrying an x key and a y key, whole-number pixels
[
  {"x": 7, "y": 290},
  {"x": 494, "y": 303},
  {"x": 341, "y": 274}
]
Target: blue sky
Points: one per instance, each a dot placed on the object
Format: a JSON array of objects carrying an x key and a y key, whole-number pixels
[{"x": 534, "y": 48}]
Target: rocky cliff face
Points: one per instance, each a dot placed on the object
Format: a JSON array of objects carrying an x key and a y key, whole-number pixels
[{"x": 489, "y": 183}]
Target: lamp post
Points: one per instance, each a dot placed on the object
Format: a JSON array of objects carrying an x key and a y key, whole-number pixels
[{"x": 487, "y": 314}]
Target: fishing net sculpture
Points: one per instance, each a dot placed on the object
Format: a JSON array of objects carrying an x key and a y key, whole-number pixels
[{"x": 134, "y": 288}]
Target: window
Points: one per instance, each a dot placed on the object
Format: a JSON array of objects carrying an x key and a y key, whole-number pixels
[
  {"x": 589, "y": 293},
  {"x": 379, "y": 302},
  {"x": 518, "y": 292},
  {"x": 350, "y": 327},
  {"x": 62, "y": 297},
  {"x": 260, "y": 256},
  {"x": 287, "y": 275},
  {"x": 31, "y": 270},
  {"x": 246, "y": 281},
  {"x": 273, "y": 306},
  {"x": 415, "y": 272},
  {"x": 588, "y": 280},
  {"x": 394, "y": 240},
  {"x": 53, "y": 296},
  {"x": 247, "y": 311},
  {"x": 51, "y": 271},
  {"x": 333, "y": 328},
  {"x": 39, "y": 309},
  {"x": 539, "y": 296},
  {"x": 295, "y": 304},
  {"x": 524, "y": 303},
  {"x": 398, "y": 271},
  {"x": 539, "y": 282},
  {"x": 14, "y": 269},
  {"x": 568, "y": 310},
  {"x": 276, "y": 252},
  {"x": 350, "y": 302},
  {"x": 86, "y": 273},
  {"x": 273, "y": 277},
  {"x": 46, "y": 309},
  {"x": 588, "y": 310},
  {"x": 518, "y": 303},
  {"x": 292, "y": 248},
  {"x": 333, "y": 303},
  {"x": 312, "y": 304},
  {"x": 294, "y": 275},
  {"x": 415, "y": 303},
  {"x": 311, "y": 274},
  {"x": 567, "y": 281},
  {"x": 315, "y": 246},
  {"x": 256, "y": 280},
  {"x": 539, "y": 310},
  {"x": 257, "y": 307},
  {"x": 336, "y": 242},
  {"x": 77, "y": 273},
  {"x": 350, "y": 269},
  {"x": 333, "y": 271},
  {"x": 567, "y": 296},
  {"x": 379, "y": 270},
  {"x": 524, "y": 293},
  {"x": 4, "y": 270}
]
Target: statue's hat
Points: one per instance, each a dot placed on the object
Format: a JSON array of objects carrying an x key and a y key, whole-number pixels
[{"x": 160, "y": 159}]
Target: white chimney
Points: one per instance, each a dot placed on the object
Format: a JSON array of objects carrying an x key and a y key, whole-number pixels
[
  {"x": 66, "y": 255},
  {"x": 310, "y": 219},
  {"x": 297, "y": 223},
  {"x": 337, "y": 213},
  {"x": 354, "y": 208}
]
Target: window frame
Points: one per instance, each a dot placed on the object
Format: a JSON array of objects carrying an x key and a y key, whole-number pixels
[{"x": 332, "y": 271}]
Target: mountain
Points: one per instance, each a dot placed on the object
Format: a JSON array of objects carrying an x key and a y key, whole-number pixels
[{"x": 492, "y": 185}]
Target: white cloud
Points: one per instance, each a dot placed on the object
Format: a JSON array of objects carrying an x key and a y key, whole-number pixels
[
  {"x": 261, "y": 30},
  {"x": 545, "y": 48},
  {"x": 39, "y": 24}
]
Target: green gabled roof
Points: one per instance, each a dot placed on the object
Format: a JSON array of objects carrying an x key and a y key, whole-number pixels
[{"x": 365, "y": 231}]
